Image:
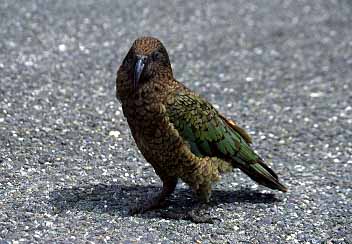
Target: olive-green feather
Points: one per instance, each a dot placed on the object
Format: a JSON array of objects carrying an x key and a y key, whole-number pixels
[
  {"x": 198, "y": 122},
  {"x": 208, "y": 134}
]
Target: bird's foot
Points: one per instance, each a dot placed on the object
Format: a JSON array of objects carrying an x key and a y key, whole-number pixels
[
  {"x": 153, "y": 203},
  {"x": 196, "y": 215},
  {"x": 159, "y": 201}
]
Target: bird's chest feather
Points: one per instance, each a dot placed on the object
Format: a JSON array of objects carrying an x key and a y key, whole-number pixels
[
  {"x": 145, "y": 115},
  {"x": 153, "y": 133}
]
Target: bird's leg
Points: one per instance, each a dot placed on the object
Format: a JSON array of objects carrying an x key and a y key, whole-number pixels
[
  {"x": 169, "y": 185},
  {"x": 198, "y": 213}
]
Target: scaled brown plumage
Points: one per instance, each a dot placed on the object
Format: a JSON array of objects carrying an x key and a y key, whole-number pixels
[{"x": 179, "y": 133}]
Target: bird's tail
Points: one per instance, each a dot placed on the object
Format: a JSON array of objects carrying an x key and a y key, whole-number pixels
[{"x": 262, "y": 174}]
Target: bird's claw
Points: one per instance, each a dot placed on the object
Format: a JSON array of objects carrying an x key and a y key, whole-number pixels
[
  {"x": 136, "y": 210},
  {"x": 199, "y": 219},
  {"x": 194, "y": 215},
  {"x": 151, "y": 204}
]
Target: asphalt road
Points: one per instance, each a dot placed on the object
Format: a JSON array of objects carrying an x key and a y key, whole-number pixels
[{"x": 69, "y": 169}]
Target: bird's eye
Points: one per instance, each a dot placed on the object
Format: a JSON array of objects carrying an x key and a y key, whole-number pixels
[
  {"x": 129, "y": 57},
  {"x": 156, "y": 56}
]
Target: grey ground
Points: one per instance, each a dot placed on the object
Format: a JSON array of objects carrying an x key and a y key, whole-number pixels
[{"x": 69, "y": 169}]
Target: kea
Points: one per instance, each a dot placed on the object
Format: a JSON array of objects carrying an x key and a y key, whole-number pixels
[{"x": 178, "y": 132}]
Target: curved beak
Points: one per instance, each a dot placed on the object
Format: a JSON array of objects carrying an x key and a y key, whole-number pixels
[{"x": 138, "y": 69}]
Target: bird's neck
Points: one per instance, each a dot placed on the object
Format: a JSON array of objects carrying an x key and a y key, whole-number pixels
[
  {"x": 156, "y": 87},
  {"x": 161, "y": 77}
]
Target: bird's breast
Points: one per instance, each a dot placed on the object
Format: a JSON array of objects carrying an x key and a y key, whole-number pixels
[
  {"x": 151, "y": 129},
  {"x": 143, "y": 116}
]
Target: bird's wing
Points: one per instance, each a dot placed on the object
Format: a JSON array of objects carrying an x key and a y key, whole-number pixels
[
  {"x": 237, "y": 128},
  {"x": 208, "y": 132}
]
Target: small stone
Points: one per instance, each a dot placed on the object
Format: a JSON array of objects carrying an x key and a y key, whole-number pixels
[
  {"x": 316, "y": 94},
  {"x": 62, "y": 48},
  {"x": 249, "y": 79},
  {"x": 115, "y": 133}
]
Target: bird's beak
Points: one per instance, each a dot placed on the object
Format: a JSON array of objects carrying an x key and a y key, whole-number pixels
[{"x": 138, "y": 69}]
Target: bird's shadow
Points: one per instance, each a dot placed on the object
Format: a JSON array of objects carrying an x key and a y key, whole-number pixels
[{"x": 117, "y": 199}]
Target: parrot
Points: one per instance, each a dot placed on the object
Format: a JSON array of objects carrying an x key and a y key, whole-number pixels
[{"x": 179, "y": 132}]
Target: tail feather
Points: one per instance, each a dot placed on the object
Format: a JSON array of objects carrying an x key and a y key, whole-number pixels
[{"x": 262, "y": 174}]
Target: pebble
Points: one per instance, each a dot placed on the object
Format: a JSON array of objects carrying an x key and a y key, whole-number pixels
[{"x": 281, "y": 69}]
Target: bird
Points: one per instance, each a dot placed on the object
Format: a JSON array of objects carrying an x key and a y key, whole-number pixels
[{"x": 179, "y": 132}]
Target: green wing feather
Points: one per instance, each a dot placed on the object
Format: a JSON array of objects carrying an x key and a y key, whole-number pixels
[
  {"x": 208, "y": 133},
  {"x": 205, "y": 130}
]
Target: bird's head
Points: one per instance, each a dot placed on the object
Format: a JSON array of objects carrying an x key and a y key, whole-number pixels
[{"x": 147, "y": 59}]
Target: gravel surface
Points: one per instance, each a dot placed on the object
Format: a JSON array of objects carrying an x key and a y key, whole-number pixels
[{"x": 69, "y": 169}]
